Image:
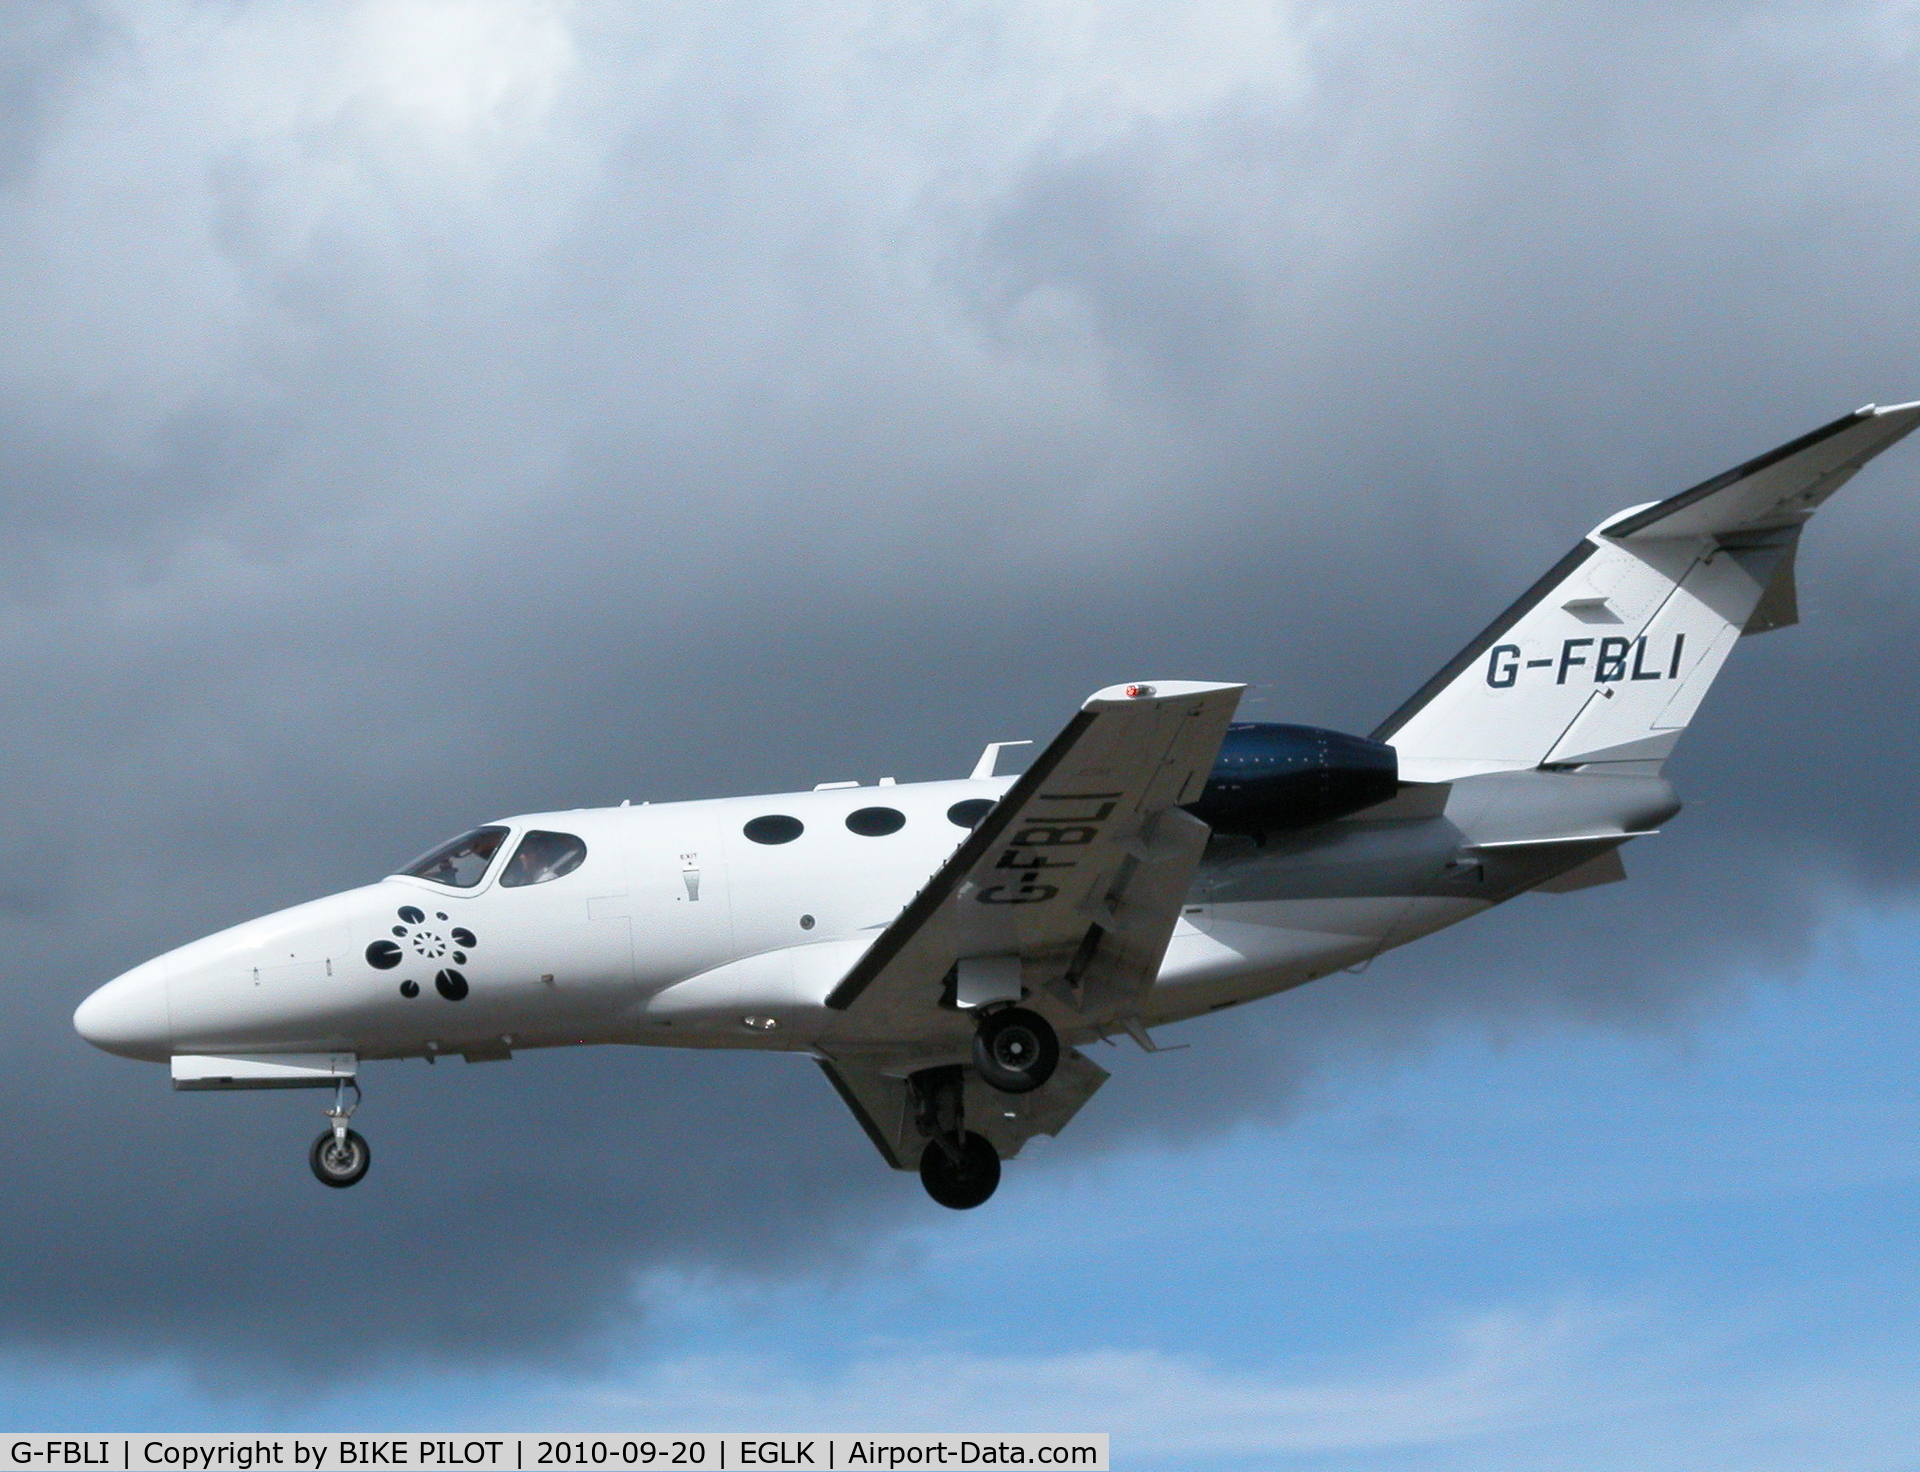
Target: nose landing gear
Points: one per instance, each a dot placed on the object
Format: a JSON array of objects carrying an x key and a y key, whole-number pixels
[{"x": 340, "y": 1156}]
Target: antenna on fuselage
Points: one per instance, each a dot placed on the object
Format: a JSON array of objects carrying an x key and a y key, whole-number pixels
[{"x": 990, "y": 758}]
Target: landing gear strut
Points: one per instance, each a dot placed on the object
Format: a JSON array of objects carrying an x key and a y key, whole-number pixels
[
  {"x": 340, "y": 1156},
  {"x": 1015, "y": 1050},
  {"x": 959, "y": 1168}
]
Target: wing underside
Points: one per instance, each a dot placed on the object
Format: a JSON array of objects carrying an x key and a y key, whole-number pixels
[
  {"x": 889, "y": 1107},
  {"x": 1063, "y": 899}
]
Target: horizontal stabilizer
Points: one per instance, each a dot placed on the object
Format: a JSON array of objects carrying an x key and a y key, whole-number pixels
[{"x": 1780, "y": 488}]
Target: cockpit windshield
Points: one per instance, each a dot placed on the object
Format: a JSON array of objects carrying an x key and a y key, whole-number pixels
[
  {"x": 462, "y": 862},
  {"x": 542, "y": 856}
]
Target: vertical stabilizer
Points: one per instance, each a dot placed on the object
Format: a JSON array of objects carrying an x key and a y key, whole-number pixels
[{"x": 1603, "y": 662}]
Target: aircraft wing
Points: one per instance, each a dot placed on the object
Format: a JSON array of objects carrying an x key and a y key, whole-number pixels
[
  {"x": 1070, "y": 887},
  {"x": 882, "y": 1102}
]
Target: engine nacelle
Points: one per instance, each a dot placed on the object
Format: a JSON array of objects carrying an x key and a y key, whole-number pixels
[{"x": 1271, "y": 778}]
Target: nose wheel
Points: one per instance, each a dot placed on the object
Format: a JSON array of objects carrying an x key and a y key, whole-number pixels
[{"x": 340, "y": 1156}]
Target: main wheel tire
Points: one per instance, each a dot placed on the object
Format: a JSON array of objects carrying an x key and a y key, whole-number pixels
[
  {"x": 339, "y": 1163},
  {"x": 964, "y": 1183},
  {"x": 1015, "y": 1050}
]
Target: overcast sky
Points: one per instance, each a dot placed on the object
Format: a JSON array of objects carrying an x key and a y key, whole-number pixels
[{"x": 418, "y": 411}]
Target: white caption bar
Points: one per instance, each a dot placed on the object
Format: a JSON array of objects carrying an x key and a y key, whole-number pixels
[{"x": 501, "y": 1452}]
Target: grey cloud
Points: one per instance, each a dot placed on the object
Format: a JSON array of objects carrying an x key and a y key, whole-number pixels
[
  {"x": 717, "y": 429},
  {"x": 40, "y": 49}
]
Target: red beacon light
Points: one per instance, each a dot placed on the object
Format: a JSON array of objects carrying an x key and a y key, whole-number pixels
[{"x": 1139, "y": 692}]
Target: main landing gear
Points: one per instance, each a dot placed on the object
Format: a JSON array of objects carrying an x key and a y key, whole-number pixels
[
  {"x": 960, "y": 1172},
  {"x": 340, "y": 1156},
  {"x": 1015, "y": 1050},
  {"x": 959, "y": 1168}
]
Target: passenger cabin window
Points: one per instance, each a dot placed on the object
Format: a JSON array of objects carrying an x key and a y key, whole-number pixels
[
  {"x": 774, "y": 828},
  {"x": 968, "y": 813},
  {"x": 542, "y": 856},
  {"x": 462, "y": 863}
]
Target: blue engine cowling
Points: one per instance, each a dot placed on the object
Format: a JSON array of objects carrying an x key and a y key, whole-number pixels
[{"x": 1270, "y": 779}]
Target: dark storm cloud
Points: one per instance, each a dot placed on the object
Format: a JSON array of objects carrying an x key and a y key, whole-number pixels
[{"x": 447, "y": 410}]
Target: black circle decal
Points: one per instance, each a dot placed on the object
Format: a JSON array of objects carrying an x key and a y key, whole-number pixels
[
  {"x": 969, "y": 813},
  {"x": 876, "y": 822},
  {"x": 409, "y": 988},
  {"x": 464, "y": 937},
  {"x": 383, "y": 955},
  {"x": 450, "y": 984},
  {"x": 399, "y": 930},
  {"x": 459, "y": 958},
  {"x": 774, "y": 828},
  {"x": 806, "y": 922},
  {"x": 411, "y": 915}
]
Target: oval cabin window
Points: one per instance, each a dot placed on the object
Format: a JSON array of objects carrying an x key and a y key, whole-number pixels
[
  {"x": 774, "y": 828},
  {"x": 969, "y": 813},
  {"x": 876, "y": 822}
]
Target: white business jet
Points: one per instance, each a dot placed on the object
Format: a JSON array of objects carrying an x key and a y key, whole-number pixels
[{"x": 944, "y": 949}]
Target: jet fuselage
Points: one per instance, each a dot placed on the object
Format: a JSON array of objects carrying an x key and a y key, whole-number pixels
[{"x": 678, "y": 929}]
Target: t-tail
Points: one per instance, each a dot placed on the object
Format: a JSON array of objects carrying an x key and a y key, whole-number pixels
[{"x": 1602, "y": 663}]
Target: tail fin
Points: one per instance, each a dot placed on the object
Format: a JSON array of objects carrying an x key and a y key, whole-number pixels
[{"x": 1603, "y": 662}]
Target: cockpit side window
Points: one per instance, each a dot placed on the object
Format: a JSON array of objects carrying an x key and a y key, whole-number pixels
[
  {"x": 461, "y": 862},
  {"x": 542, "y": 856}
]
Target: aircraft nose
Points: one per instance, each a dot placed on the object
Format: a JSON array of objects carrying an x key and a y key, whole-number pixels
[{"x": 128, "y": 1015}]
